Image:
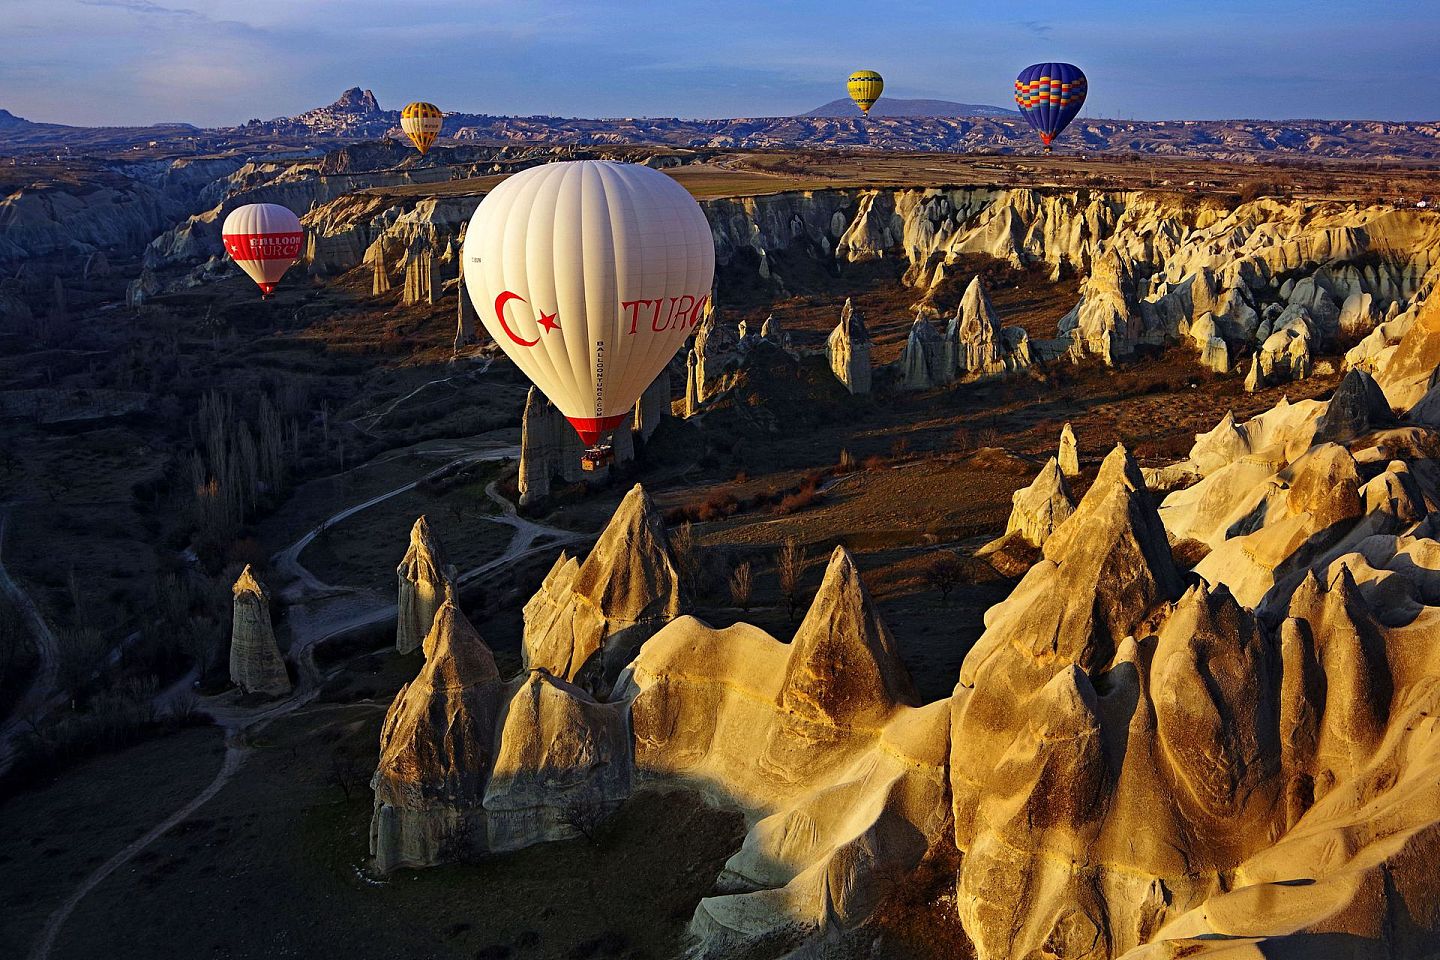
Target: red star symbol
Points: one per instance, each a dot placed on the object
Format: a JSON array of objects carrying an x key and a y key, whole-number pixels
[{"x": 547, "y": 320}]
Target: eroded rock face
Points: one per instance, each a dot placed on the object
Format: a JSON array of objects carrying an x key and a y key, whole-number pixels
[
  {"x": 1036, "y": 510},
  {"x": 1069, "y": 453},
  {"x": 587, "y": 620},
  {"x": 842, "y": 779},
  {"x": 717, "y": 349},
  {"x": 654, "y": 406},
  {"x": 843, "y": 669},
  {"x": 563, "y": 764},
  {"x": 424, "y": 578},
  {"x": 436, "y": 751},
  {"x": 924, "y": 362},
  {"x": 464, "y": 317},
  {"x": 979, "y": 344},
  {"x": 422, "y": 281},
  {"x": 255, "y": 662},
  {"x": 549, "y": 449},
  {"x": 848, "y": 349}
]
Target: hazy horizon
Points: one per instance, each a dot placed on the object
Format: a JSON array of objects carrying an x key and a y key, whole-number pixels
[{"x": 135, "y": 62}]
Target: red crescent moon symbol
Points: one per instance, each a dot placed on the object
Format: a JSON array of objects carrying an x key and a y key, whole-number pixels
[{"x": 505, "y": 297}]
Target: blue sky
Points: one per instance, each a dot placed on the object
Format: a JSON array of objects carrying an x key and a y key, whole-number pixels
[{"x": 224, "y": 61}]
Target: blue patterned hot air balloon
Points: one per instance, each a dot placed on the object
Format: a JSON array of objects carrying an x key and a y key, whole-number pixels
[{"x": 1050, "y": 95}]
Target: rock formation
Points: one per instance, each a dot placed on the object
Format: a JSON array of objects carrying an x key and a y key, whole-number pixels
[
  {"x": 587, "y": 619},
  {"x": 255, "y": 663},
  {"x": 1069, "y": 455},
  {"x": 464, "y": 317},
  {"x": 421, "y": 281},
  {"x": 817, "y": 741},
  {"x": 424, "y": 579},
  {"x": 979, "y": 344},
  {"x": 563, "y": 764},
  {"x": 1214, "y": 351},
  {"x": 549, "y": 448},
  {"x": 772, "y": 331},
  {"x": 380, "y": 272},
  {"x": 654, "y": 405},
  {"x": 692, "y": 390},
  {"x": 848, "y": 350},
  {"x": 436, "y": 751},
  {"x": 1036, "y": 510},
  {"x": 717, "y": 349},
  {"x": 923, "y": 360}
]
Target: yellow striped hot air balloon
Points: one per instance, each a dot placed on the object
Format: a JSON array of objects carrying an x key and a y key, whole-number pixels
[
  {"x": 421, "y": 122},
  {"x": 865, "y": 87}
]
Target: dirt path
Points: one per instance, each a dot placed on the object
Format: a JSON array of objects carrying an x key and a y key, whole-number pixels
[
  {"x": 314, "y": 618},
  {"x": 47, "y": 648}
]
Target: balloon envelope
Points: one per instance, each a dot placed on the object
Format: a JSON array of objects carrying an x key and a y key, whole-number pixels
[
  {"x": 264, "y": 239},
  {"x": 1050, "y": 95},
  {"x": 421, "y": 122},
  {"x": 590, "y": 274},
  {"x": 865, "y": 87}
]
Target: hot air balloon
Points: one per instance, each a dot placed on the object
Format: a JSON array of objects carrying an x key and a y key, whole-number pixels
[
  {"x": 264, "y": 239},
  {"x": 590, "y": 274},
  {"x": 865, "y": 87},
  {"x": 421, "y": 122},
  {"x": 1050, "y": 95}
]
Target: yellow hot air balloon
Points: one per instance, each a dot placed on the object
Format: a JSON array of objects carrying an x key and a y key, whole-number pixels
[
  {"x": 865, "y": 87},
  {"x": 421, "y": 122}
]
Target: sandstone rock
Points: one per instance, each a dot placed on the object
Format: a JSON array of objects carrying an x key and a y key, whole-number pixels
[
  {"x": 563, "y": 764},
  {"x": 464, "y": 317},
  {"x": 843, "y": 668},
  {"x": 692, "y": 390},
  {"x": 424, "y": 578},
  {"x": 654, "y": 405},
  {"x": 380, "y": 273},
  {"x": 255, "y": 662},
  {"x": 1041, "y": 507},
  {"x": 549, "y": 448},
  {"x": 422, "y": 281},
  {"x": 979, "y": 343},
  {"x": 772, "y": 331},
  {"x": 717, "y": 349},
  {"x": 842, "y": 786},
  {"x": 141, "y": 289},
  {"x": 848, "y": 350},
  {"x": 923, "y": 360},
  {"x": 436, "y": 751},
  {"x": 1069, "y": 455},
  {"x": 1357, "y": 407},
  {"x": 587, "y": 619}
]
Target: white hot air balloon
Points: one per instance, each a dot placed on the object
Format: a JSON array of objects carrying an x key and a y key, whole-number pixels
[
  {"x": 590, "y": 274},
  {"x": 264, "y": 239}
]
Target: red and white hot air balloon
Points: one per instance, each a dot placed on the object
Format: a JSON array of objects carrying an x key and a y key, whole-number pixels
[
  {"x": 264, "y": 239},
  {"x": 590, "y": 274}
]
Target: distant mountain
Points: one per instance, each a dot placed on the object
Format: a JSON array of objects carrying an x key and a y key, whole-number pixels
[
  {"x": 8, "y": 121},
  {"x": 959, "y": 127},
  {"x": 896, "y": 107}
]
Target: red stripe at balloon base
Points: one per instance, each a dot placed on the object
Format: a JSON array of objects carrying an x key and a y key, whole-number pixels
[{"x": 591, "y": 429}]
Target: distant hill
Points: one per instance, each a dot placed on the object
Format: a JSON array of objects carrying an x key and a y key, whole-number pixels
[
  {"x": 896, "y": 107},
  {"x": 894, "y": 124}
]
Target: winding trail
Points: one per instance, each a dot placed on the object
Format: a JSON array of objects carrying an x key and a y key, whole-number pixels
[
  {"x": 42, "y": 686},
  {"x": 313, "y": 618}
]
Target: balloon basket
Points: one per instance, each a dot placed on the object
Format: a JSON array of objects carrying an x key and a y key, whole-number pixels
[{"x": 597, "y": 457}]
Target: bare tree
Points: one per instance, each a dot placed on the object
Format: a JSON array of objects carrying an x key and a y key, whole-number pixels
[
  {"x": 742, "y": 585},
  {"x": 687, "y": 557},
  {"x": 944, "y": 572},
  {"x": 789, "y": 565},
  {"x": 346, "y": 772},
  {"x": 585, "y": 815}
]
